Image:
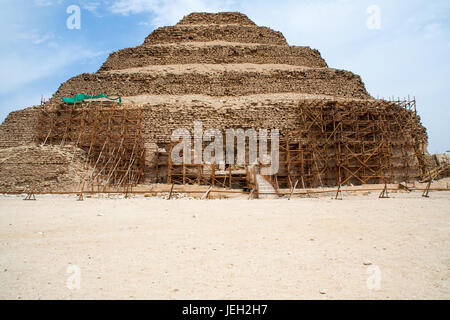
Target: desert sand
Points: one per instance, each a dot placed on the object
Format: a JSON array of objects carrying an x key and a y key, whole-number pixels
[{"x": 151, "y": 248}]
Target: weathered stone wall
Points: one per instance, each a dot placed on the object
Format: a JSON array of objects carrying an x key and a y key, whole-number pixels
[
  {"x": 216, "y": 18},
  {"x": 41, "y": 169},
  {"x": 19, "y": 128},
  {"x": 227, "y": 83},
  {"x": 212, "y": 53},
  {"x": 203, "y": 33},
  {"x": 161, "y": 120}
]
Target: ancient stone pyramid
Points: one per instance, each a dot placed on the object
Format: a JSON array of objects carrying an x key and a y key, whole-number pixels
[
  {"x": 224, "y": 70},
  {"x": 223, "y": 54}
]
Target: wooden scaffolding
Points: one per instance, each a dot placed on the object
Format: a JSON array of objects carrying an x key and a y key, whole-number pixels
[
  {"x": 110, "y": 136},
  {"x": 347, "y": 144},
  {"x": 335, "y": 143},
  {"x": 225, "y": 176}
]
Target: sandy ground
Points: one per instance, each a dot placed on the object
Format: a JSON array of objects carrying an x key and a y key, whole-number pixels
[{"x": 146, "y": 248}]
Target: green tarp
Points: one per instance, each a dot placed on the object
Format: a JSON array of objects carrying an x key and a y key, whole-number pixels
[{"x": 81, "y": 97}]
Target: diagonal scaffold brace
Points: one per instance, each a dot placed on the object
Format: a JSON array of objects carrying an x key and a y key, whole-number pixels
[
  {"x": 30, "y": 196},
  {"x": 384, "y": 193}
]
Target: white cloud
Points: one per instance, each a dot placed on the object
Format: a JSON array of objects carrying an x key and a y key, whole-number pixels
[
  {"x": 35, "y": 37},
  {"x": 91, "y": 6},
  {"x": 168, "y": 12},
  {"x": 31, "y": 51},
  {"x": 25, "y": 69},
  {"x": 46, "y": 3},
  {"x": 127, "y": 7},
  {"x": 43, "y": 3}
]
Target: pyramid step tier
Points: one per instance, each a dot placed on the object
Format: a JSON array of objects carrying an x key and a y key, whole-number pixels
[
  {"x": 229, "y": 33},
  {"x": 196, "y": 18},
  {"x": 212, "y": 52},
  {"x": 216, "y": 80}
]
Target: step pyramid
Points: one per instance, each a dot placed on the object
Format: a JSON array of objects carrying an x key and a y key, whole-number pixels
[
  {"x": 227, "y": 72},
  {"x": 223, "y": 54}
]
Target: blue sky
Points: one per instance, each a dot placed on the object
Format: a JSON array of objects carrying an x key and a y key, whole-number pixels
[{"x": 408, "y": 55}]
